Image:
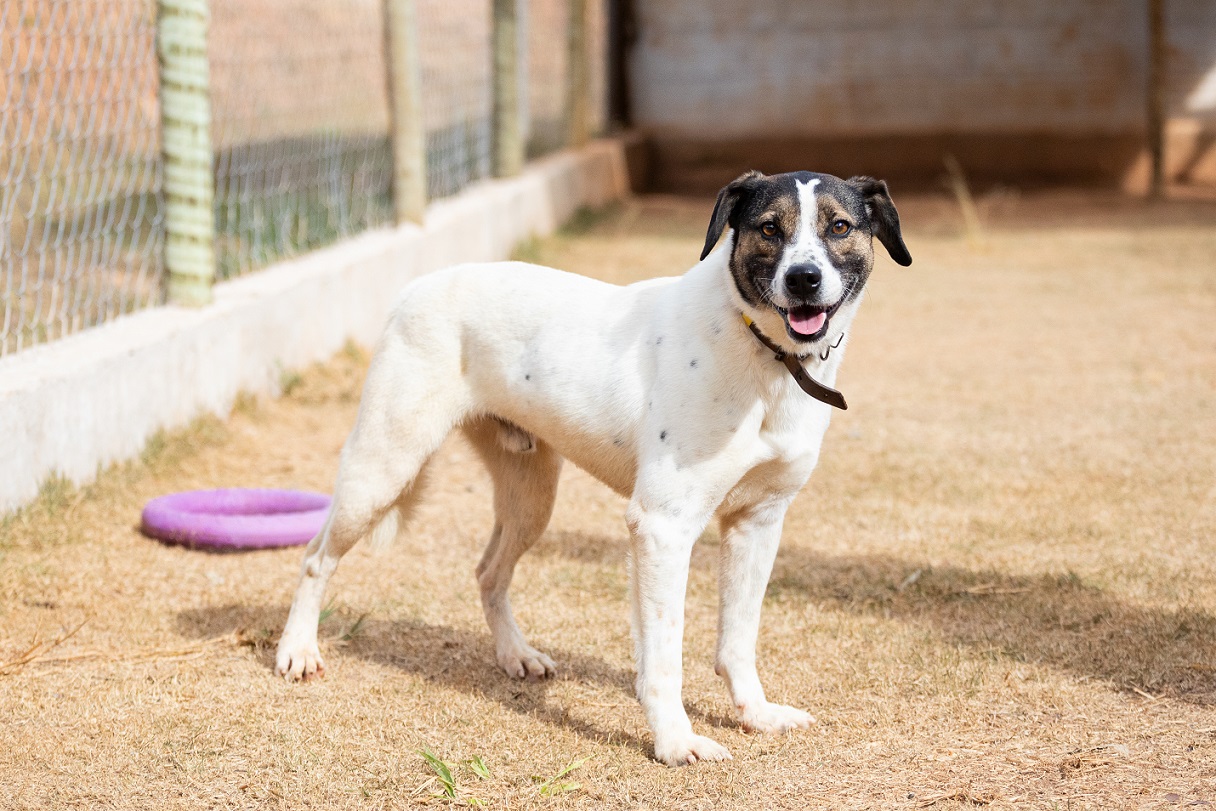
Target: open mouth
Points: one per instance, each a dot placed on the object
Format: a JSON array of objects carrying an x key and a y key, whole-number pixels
[{"x": 806, "y": 322}]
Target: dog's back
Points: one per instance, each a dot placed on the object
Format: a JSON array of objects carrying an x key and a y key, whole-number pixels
[{"x": 561, "y": 356}]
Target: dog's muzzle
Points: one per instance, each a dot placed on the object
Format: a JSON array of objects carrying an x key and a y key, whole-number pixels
[{"x": 806, "y": 318}]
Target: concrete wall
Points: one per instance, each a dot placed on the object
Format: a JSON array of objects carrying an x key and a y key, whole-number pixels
[
  {"x": 73, "y": 406},
  {"x": 792, "y": 81}
]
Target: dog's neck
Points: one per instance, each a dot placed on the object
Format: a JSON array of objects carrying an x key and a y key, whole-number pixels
[
  {"x": 793, "y": 363},
  {"x": 766, "y": 327}
]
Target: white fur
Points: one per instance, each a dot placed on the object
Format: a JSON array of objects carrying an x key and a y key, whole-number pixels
[
  {"x": 658, "y": 389},
  {"x": 806, "y": 246}
]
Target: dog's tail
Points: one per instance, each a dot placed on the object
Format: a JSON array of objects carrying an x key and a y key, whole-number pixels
[{"x": 399, "y": 514}]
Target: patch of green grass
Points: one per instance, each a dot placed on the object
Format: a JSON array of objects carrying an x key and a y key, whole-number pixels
[
  {"x": 169, "y": 448},
  {"x": 446, "y": 775},
  {"x": 245, "y": 403},
  {"x": 355, "y": 629},
  {"x": 57, "y": 494},
  {"x": 353, "y": 351},
  {"x": 155, "y": 447},
  {"x": 55, "y": 497},
  {"x": 289, "y": 381},
  {"x": 442, "y": 770},
  {"x": 587, "y": 219},
  {"x": 529, "y": 250},
  {"x": 478, "y": 767},
  {"x": 555, "y": 785},
  {"x": 326, "y": 612}
]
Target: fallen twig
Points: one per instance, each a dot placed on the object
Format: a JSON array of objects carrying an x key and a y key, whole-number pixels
[
  {"x": 428, "y": 782},
  {"x": 38, "y": 650},
  {"x": 984, "y": 589},
  {"x": 961, "y": 796},
  {"x": 910, "y": 579},
  {"x": 134, "y": 656}
]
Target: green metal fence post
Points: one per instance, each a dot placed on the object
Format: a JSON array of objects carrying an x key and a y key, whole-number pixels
[
  {"x": 181, "y": 44},
  {"x": 508, "y": 151},
  {"x": 578, "y": 124},
  {"x": 405, "y": 100}
]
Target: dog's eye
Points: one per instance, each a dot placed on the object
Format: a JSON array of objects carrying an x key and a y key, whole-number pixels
[
  {"x": 840, "y": 228},
  {"x": 769, "y": 229}
]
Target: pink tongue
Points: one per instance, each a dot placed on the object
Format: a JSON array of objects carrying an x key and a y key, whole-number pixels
[{"x": 806, "y": 324}]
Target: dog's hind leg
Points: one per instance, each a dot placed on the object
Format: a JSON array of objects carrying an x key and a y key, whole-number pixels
[
  {"x": 525, "y": 485},
  {"x": 406, "y": 412}
]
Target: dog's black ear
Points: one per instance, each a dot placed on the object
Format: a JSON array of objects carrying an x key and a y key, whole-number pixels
[
  {"x": 884, "y": 219},
  {"x": 728, "y": 198}
]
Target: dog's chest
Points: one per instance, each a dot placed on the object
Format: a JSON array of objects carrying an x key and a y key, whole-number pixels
[
  {"x": 793, "y": 426},
  {"x": 786, "y": 449}
]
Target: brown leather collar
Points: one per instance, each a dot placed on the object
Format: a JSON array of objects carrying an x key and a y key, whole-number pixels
[{"x": 794, "y": 364}]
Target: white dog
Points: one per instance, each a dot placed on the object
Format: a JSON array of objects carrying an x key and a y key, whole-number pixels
[{"x": 688, "y": 395}]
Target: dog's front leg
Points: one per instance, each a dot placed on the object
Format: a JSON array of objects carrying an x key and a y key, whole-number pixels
[
  {"x": 749, "y": 546},
  {"x": 661, "y": 546}
]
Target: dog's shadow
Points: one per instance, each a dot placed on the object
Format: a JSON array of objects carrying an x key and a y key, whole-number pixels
[
  {"x": 1058, "y": 621},
  {"x": 447, "y": 656}
]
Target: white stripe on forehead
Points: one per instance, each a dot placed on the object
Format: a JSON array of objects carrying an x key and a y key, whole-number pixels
[
  {"x": 806, "y": 204},
  {"x": 807, "y": 244}
]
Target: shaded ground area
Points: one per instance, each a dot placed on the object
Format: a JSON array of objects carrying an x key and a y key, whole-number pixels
[{"x": 999, "y": 587}]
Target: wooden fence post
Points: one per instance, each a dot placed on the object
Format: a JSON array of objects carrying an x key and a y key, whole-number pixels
[
  {"x": 185, "y": 110},
  {"x": 578, "y": 106},
  {"x": 1156, "y": 96},
  {"x": 508, "y": 156},
  {"x": 405, "y": 99}
]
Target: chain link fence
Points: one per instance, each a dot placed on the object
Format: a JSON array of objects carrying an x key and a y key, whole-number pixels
[
  {"x": 454, "y": 51},
  {"x": 300, "y": 110},
  {"x": 299, "y": 126},
  {"x": 81, "y": 227}
]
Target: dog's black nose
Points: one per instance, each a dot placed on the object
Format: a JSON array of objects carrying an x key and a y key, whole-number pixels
[{"x": 803, "y": 281}]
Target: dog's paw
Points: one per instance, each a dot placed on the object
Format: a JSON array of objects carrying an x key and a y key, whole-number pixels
[
  {"x": 684, "y": 750},
  {"x": 298, "y": 660},
  {"x": 774, "y": 718},
  {"x": 526, "y": 662}
]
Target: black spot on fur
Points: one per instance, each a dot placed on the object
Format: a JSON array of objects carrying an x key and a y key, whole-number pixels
[
  {"x": 658, "y": 341},
  {"x": 662, "y": 436},
  {"x": 692, "y": 364},
  {"x": 527, "y": 377}
]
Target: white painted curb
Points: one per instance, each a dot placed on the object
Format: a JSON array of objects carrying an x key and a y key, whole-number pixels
[{"x": 79, "y": 404}]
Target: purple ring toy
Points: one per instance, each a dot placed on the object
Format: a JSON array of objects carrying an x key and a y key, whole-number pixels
[{"x": 236, "y": 518}]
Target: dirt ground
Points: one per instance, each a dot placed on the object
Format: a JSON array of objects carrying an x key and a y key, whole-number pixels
[{"x": 999, "y": 587}]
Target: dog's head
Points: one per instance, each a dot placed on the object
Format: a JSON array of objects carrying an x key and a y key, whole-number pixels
[{"x": 803, "y": 242}]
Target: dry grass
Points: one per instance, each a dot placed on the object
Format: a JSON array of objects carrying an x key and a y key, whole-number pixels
[{"x": 999, "y": 588}]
